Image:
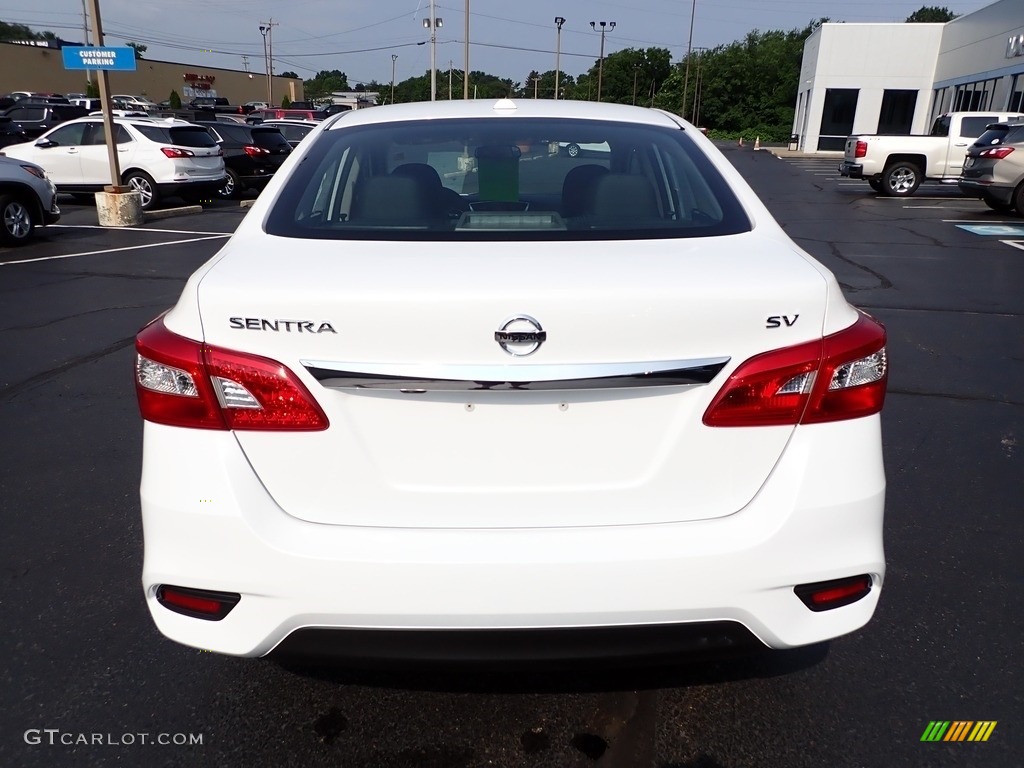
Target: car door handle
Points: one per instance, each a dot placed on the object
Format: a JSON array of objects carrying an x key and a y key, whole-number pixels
[{"x": 960, "y": 145}]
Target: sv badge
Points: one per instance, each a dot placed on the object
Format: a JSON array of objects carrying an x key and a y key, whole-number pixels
[{"x": 777, "y": 321}]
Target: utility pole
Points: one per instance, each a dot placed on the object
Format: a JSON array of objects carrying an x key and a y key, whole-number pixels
[
  {"x": 85, "y": 29},
  {"x": 600, "y": 61},
  {"x": 465, "y": 50},
  {"x": 536, "y": 82},
  {"x": 109, "y": 129},
  {"x": 689, "y": 50},
  {"x": 559, "y": 21},
  {"x": 450, "y": 65}
]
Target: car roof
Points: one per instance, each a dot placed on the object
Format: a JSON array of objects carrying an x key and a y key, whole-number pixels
[{"x": 519, "y": 108}]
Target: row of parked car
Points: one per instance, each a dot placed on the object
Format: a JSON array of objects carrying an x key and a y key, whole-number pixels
[{"x": 158, "y": 158}]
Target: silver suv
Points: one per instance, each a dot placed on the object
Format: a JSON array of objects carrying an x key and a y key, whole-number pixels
[
  {"x": 27, "y": 200},
  {"x": 157, "y": 158},
  {"x": 994, "y": 168}
]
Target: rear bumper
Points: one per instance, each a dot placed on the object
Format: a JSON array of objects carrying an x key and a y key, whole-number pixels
[
  {"x": 998, "y": 194},
  {"x": 199, "y": 187},
  {"x": 818, "y": 517},
  {"x": 851, "y": 170}
]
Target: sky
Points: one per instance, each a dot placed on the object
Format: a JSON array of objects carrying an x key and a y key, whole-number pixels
[{"x": 507, "y": 39}]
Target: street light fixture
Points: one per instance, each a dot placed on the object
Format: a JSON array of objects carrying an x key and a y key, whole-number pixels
[
  {"x": 559, "y": 21},
  {"x": 600, "y": 62},
  {"x": 433, "y": 23}
]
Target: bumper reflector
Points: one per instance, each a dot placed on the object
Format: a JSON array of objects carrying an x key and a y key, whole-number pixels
[
  {"x": 197, "y": 603},
  {"x": 826, "y": 595}
]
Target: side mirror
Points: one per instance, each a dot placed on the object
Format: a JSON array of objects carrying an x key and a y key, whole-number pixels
[{"x": 46, "y": 143}]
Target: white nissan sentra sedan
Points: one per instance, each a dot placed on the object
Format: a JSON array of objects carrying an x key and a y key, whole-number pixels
[{"x": 449, "y": 393}]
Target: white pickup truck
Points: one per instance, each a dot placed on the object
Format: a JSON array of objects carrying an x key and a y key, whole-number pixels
[{"x": 897, "y": 164}]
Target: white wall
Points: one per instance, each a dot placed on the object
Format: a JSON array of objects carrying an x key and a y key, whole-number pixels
[{"x": 871, "y": 58}]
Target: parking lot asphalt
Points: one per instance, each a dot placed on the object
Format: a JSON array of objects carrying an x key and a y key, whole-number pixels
[{"x": 81, "y": 657}]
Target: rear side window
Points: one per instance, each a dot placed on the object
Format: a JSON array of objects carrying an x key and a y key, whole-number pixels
[
  {"x": 506, "y": 179},
  {"x": 973, "y": 127}
]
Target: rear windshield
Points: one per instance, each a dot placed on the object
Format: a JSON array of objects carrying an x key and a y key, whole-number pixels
[
  {"x": 505, "y": 179},
  {"x": 1001, "y": 134},
  {"x": 182, "y": 136},
  {"x": 269, "y": 138}
]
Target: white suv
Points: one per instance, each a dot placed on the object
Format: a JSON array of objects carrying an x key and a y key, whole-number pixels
[{"x": 157, "y": 157}]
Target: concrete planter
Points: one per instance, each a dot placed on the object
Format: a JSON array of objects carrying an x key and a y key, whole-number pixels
[{"x": 119, "y": 209}]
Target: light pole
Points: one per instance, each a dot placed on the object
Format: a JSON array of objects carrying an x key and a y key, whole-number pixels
[
  {"x": 559, "y": 21},
  {"x": 432, "y": 24},
  {"x": 394, "y": 58},
  {"x": 600, "y": 62},
  {"x": 266, "y": 63}
]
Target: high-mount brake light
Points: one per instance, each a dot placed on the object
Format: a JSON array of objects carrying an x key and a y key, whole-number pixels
[
  {"x": 184, "y": 383},
  {"x": 842, "y": 376}
]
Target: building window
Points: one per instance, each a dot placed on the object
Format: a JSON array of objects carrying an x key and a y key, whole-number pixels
[
  {"x": 837, "y": 118},
  {"x": 897, "y": 113},
  {"x": 1016, "y": 94}
]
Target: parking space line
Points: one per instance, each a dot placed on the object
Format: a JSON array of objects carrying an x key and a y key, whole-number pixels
[
  {"x": 1018, "y": 244},
  {"x": 132, "y": 229},
  {"x": 114, "y": 250}
]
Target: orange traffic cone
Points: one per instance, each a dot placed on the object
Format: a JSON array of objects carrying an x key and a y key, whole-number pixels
[
  {"x": 740, "y": 143},
  {"x": 757, "y": 143}
]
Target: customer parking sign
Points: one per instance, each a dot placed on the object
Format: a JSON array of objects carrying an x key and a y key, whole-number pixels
[{"x": 119, "y": 58}]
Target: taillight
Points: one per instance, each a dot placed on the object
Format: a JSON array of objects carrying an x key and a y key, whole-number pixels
[
  {"x": 997, "y": 153},
  {"x": 842, "y": 376},
  {"x": 861, "y": 150},
  {"x": 252, "y": 151},
  {"x": 184, "y": 383},
  {"x": 177, "y": 152}
]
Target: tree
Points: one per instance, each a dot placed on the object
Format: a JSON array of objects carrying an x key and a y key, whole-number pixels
[
  {"x": 175, "y": 100},
  {"x": 324, "y": 83},
  {"x": 930, "y": 14},
  {"x": 16, "y": 32},
  {"x": 289, "y": 74},
  {"x": 138, "y": 48}
]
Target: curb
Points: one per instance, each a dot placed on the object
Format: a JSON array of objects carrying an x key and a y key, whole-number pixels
[{"x": 166, "y": 213}]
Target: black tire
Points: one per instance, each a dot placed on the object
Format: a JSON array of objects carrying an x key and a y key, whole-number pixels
[
  {"x": 901, "y": 179},
  {"x": 16, "y": 223},
  {"x": 572, "y": 150},
  {"x": 232, "y": 186},
  {"x": 143, "y": 183},
  {"x": 996, "y": 205},
  {"x": 875, "y": 184},
  {"x": 1018, "y": 199}
]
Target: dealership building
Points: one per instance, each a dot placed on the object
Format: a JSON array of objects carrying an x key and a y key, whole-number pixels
[{"x": 896, "y": 78}]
